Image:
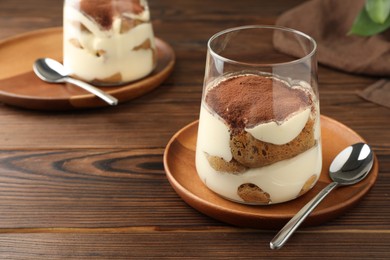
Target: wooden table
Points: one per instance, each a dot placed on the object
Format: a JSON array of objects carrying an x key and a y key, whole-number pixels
[{"x": 91, "y": 183}]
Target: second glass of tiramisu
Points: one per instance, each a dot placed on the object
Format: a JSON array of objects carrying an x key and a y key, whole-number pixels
[
  {"x": 259, "y": 127},
  {"x": 108, "y": 42}
]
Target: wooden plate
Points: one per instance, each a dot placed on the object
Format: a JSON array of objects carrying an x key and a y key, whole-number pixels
[
  {"x": 179, "y": 163},
  {"x": 19, "y": 86}
]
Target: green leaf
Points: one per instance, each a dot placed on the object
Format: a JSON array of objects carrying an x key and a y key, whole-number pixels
[
  {"x": 378, "y": 10},
  {"x": 364, "y": 26}
]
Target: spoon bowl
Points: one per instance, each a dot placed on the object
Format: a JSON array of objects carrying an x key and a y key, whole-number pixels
[
  {"x": 349, "y": 167},
  {"x": 52, "y": 71},
  {"x": 352, "y": 164}
]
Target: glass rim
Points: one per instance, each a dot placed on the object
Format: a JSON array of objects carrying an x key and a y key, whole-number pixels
[{"x": 273, "y": 27}]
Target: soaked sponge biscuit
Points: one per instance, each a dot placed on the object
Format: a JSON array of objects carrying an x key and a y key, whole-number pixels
[
  {"x": 253, "y": 153},
  {"x": 251, "y": 193},
  {"x": 308, "y": 184},
  {"x": 219, "y": 164}
]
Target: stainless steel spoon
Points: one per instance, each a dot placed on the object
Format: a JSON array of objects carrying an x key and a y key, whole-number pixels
[
  {"x": 349, "y": 167},
  {"x": 52, "y": 71}
]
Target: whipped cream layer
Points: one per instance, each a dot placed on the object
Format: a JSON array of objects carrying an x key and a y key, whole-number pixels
[
  {"x": 216, "y": 134},
  {"x": 281, "y": 132},
  {"x": 93, "y": 53},
  {"x": 282, "y": 180},
  {"x": 213, "y": 135}
]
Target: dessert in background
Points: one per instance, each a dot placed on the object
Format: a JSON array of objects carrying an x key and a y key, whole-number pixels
[{"x": 108, "y": 42}]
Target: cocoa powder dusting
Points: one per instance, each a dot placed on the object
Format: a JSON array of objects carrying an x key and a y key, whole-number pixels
[
  {"x": 233, "y": 100},
  {"x": 103, "y": 11}
]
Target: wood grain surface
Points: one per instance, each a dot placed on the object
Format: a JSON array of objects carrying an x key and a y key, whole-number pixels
[{"x": 91, "y": 184}]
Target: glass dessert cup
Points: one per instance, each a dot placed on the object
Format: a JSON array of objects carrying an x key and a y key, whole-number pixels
[
  {"x": 108, "y": 42},
  {"x": 259, "y": 126}
]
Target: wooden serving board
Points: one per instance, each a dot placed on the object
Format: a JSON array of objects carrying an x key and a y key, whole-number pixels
[
  {"x": 19, "y": 86},
  {"x": 179, "y": 163}
]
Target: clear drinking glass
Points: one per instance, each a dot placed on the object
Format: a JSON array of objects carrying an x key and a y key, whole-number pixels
[
  {"x": 259, "y": 126},
  {"x": 108, "y": 42}
]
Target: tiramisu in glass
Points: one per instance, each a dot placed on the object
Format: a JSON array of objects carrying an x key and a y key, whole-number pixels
[
  {"x": 259, "y": 129},
  {"x": 108, "y": 42}
]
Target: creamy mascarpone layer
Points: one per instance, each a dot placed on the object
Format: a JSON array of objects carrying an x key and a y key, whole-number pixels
[
  {"x": 282, "y": 180},
  {"x": 216, "y": 135},
  {"x": 213, "y": 135},
  {"x": 281, "y": 133},
  {"x": 117, "y": 54}
]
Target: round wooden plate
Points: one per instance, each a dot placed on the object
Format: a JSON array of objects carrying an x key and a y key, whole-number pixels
[
  {"x": 19, "y": 86},
  {"x": 179, "y": 163}
]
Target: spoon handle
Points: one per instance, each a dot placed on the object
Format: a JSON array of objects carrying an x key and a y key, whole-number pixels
[
  {"x": 284, "y": 234},
  {"x": 103, "y": 95}
]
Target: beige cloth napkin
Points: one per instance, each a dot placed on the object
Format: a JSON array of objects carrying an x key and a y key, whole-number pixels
[
  {"x": 328, "y": 22},
  {"x": 378, "y": 93}
]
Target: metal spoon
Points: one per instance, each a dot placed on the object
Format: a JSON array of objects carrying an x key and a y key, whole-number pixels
[
  {"x": 52, "y": 71},
  {"x": 349, "y": 167}
]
